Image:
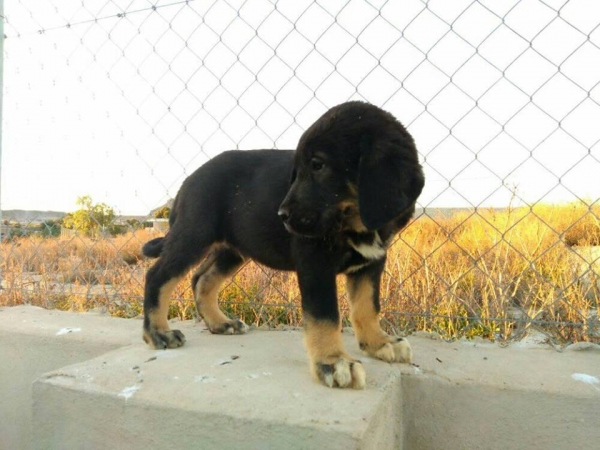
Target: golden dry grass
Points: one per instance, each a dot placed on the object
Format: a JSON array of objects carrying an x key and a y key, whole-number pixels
[
  {"x": 494, "y": 274},
  {"x": 497, "y": 266}
]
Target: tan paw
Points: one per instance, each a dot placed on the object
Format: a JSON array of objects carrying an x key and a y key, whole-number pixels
[
  {"x": 395, "y": 350},
  {"x": 342, "y": 373},
  {"x": 233, "y": 326}
]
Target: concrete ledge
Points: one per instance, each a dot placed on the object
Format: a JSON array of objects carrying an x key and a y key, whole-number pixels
[
  {"x": 216, "y": 392},
  {"x": 255, "y": 390},
  {"x": 34, "y": 341},
  {"x": 477, "y": 395}
]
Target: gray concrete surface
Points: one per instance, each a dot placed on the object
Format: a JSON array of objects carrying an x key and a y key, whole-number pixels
[
  {"x": 30, "y": 346},
  {"x": 255, "y": 391},
  {"x": 477, "y": 395},
  {"x": 216, "y": 392}
]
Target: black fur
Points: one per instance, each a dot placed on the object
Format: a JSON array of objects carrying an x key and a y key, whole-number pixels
[
  {"x": 153, "y": 248},
  {"x": 352, "y": 182}
]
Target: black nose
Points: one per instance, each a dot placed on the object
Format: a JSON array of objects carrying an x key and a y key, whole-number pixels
[{"x": 283, "y": 213}]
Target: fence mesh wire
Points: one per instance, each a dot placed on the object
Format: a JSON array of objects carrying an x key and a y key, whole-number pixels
[{"x": 121, "y": 100}]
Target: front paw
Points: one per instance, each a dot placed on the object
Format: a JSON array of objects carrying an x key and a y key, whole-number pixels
[
  {"x": 342, "y": 372},
  {"x": 164, "y": 339},
  {"x": 231, "y": 326},
  {"x": 389, "y": 349}
]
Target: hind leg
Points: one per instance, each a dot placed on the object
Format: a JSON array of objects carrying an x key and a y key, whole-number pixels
[
  {"x": 221, "y": 264},
  {"x": 180, "y": 253}
]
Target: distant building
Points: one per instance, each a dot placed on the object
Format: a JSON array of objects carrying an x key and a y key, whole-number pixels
[{"x": 160, "y": 225}]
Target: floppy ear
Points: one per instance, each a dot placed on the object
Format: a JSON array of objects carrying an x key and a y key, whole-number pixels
[{"x": 389, "y": 180}]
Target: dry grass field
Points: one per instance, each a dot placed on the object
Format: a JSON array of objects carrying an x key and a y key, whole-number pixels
[{"x": 494, "y": 274}]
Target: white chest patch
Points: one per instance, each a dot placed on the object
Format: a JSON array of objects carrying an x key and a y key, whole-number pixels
[{"x": 373, "y": 250}]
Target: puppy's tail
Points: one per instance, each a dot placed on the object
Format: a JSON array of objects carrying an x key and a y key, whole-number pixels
[{"x": 153, "y": 248}]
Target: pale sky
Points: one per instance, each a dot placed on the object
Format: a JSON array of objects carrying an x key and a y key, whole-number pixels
[{"x": 497, "y": 94}]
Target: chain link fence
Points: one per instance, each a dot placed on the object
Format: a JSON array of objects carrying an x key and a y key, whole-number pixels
[{"x": 113, "y": 103}]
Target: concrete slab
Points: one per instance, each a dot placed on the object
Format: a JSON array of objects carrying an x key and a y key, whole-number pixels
[
  {"x": 522, "y": 367},
  {"x": 478, "y": 395},
  {"x": 216, "y": 392},
  {"x": 255, "y": 390},
  {"x": 34, "y": 341},
  {"x": 63, "y": 326}
]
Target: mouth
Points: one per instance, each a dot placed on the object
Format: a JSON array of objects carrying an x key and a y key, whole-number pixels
[
  {"x": 288, "y": 228},
  {"x": 294, "y": 232}
]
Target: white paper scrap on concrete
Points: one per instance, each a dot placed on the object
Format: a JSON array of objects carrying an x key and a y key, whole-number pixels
[
  {"x": 588, "y": 379},
  {"x": 67, "y": 330},
  {"x": 128, "y": 392}
]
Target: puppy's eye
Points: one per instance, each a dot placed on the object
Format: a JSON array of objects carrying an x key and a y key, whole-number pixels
[{"x": 316, "y": 165}]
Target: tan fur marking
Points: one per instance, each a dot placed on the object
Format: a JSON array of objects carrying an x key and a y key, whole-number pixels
[
  {"x": 365, "y": 321},
  {"x": 207, "y": 293},
  {"x": 363, "y": 316},
  {"x": 159, "y": 317},
  {"x": 324, "y": 345},
  {"x": 352, "y": 220},
  {"x": 353, "y": 189},
  {"x": 323, "y": 341}
]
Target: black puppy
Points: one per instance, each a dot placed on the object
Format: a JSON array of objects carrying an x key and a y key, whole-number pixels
[{"x": 332, "y": 206}]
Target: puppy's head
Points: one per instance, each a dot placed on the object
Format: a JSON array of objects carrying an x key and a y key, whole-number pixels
[{"x": 356, "y": 167}]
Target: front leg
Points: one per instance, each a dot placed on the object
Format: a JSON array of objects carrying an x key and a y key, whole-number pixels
[
  {"x": 329, "y": 362},
  {"x": 363, "y": 292}
]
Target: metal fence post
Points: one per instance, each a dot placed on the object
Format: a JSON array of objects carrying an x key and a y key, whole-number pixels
[{"x": 1, "y": 98}]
